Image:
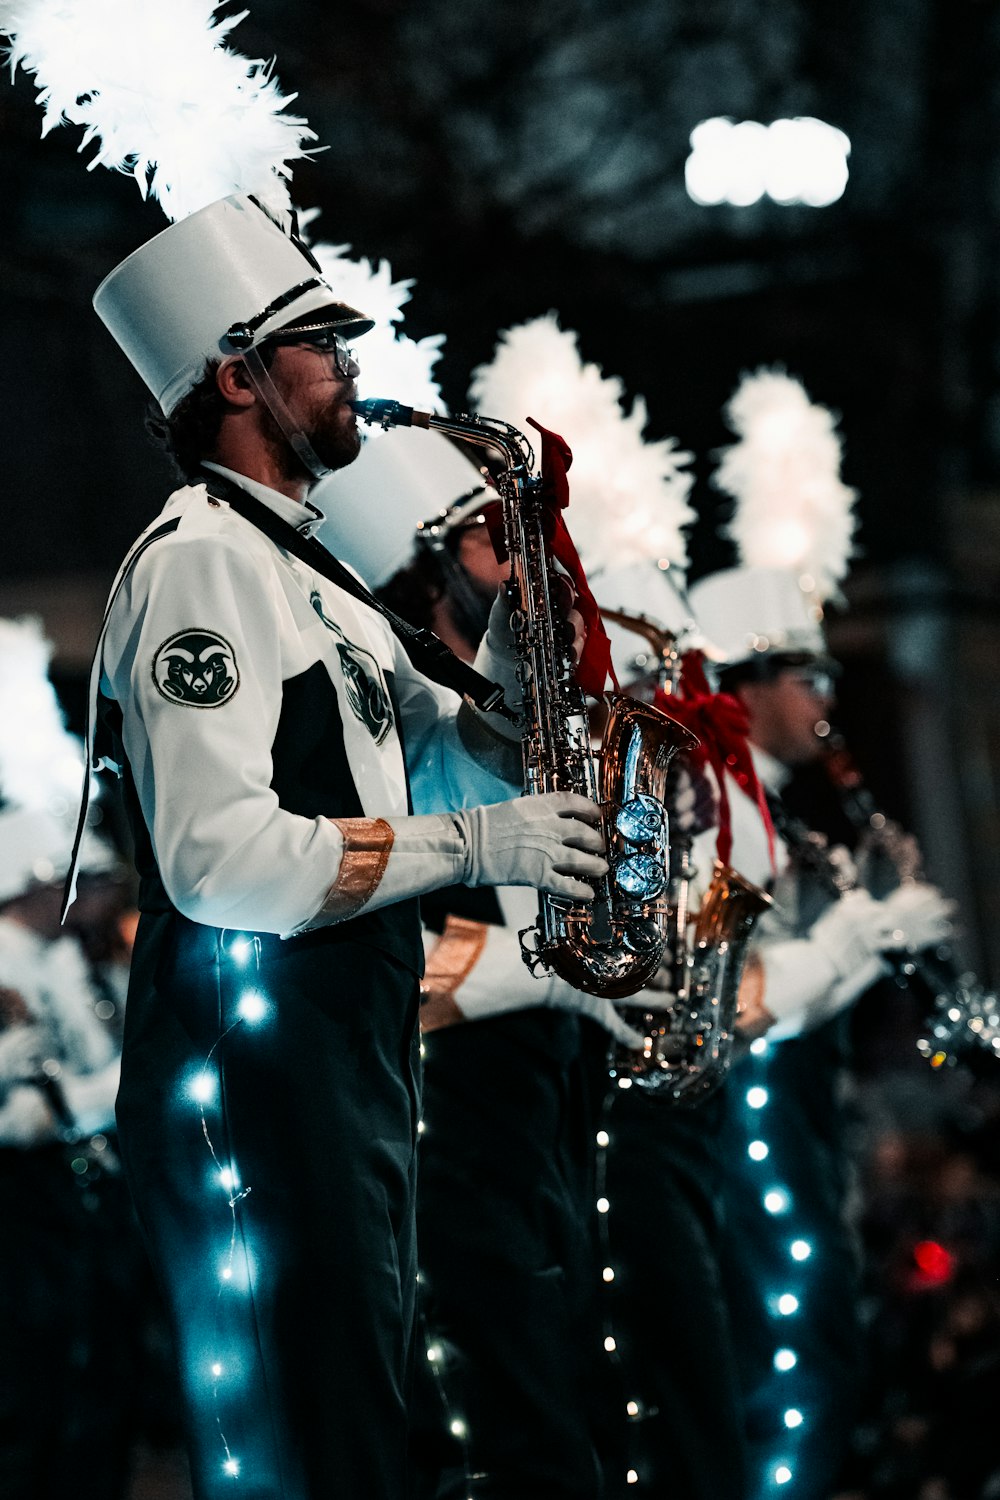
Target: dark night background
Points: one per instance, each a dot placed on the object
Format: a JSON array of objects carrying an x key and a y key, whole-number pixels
[{"x": 520, "y": 157}]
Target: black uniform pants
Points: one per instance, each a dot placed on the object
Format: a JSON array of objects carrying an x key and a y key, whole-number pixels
[
  {"x": 799, "y": 1414},
  {"x": 665, "y": 1309},
  {"x": 508, "y": 1273},
  {"x": 268, "y": 1120}
]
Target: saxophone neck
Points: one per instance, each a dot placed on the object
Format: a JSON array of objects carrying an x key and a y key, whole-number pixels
[
  {"x": 662, "y": 641},
  {"x": 499, "y": 438}
]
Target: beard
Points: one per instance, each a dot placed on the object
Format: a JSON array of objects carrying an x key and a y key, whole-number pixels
[{"x": 332, "y": 436}]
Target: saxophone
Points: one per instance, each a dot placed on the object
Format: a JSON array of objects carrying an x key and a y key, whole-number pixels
[
  {"x": 964, "y": 1012},
  {"x": 615, "y": 944},
  {"x": 689, "y": 1037}
]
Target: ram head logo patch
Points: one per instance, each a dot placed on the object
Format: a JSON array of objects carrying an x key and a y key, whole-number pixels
[{"x": 196, "y": 668}]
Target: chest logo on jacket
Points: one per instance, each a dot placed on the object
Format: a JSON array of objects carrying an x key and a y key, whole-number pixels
[
  {"x": 362, "y": 678},
  {"x": 196, "y": 668}
]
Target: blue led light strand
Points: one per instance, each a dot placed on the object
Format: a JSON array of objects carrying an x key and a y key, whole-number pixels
[{"x": 206, "y": 1089}]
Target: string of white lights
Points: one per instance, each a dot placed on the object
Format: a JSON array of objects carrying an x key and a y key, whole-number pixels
[
  {"x": 635, "y": 1409},
  {"x": 439, "y": 1354},
  {"x": 205, "y": 1089},
  {"x": 786, "y": 1301}
]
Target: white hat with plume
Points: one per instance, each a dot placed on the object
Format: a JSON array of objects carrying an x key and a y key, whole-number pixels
[
  {"x": 41, "y": 765},
  {"x": 793, "y": 524}
]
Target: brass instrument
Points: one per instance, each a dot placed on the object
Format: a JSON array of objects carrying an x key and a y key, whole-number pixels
[
  {"x": 614, "y": 945},
  {"x": 963, "y": 1011},
  {"x": 689, "y": 1034}
]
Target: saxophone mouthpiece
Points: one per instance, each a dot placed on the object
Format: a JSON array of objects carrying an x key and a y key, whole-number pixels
[{"x": 389, "y": 414}]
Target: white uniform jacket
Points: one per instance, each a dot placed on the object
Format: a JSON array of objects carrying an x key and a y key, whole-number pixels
[{"x": 248, "y": 687}]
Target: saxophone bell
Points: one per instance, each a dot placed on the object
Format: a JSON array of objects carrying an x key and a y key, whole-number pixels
[
  {"x": 689, "y": 1036},
  {"x": 688, "y": 1039}
]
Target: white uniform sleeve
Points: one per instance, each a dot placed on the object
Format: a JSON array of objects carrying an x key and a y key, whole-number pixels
[{"x": 228, "y": 855}]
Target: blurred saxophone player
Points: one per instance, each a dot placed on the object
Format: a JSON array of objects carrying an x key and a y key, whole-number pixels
[
  {"x": 513, "y": 1073},
  {"x": 660, "y": 1182}
]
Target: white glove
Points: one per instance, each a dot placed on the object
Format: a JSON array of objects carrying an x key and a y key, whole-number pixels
[
  {"x": 692, "y": 801},
  {"x": 501, "y": 982},
  {"x": 551, "y": 842},
  {"x": 808, "y": 981},
  {"x": 26, "y": 1119},
  {"x": 917, "y": 916},
  {"x": 23, "y": 1049},
  {"x": 495, "y": 659}
]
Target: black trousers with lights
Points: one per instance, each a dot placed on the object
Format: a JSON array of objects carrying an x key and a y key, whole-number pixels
[
  {"x": 804, "y": 1126},
  {"x": 505, "y": 1214},
  {"x": 661, "y": 1176},
  {"x": 270, "y": 1148}
]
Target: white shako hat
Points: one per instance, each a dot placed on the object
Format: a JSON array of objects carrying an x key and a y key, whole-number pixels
[
  {"x": 374, "y": 506},
  {"x": 748, "y": 614},
  {"x": 210, "y": 286},
  {"x": 36, "y": 847}
]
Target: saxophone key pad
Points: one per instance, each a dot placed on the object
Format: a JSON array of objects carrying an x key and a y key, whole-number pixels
[
  {"x": 641, "y": 820},
  {"x": 639, "y": 876}
]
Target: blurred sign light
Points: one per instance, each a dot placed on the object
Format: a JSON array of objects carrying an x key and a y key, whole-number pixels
[{"x": 789, "y": 161}]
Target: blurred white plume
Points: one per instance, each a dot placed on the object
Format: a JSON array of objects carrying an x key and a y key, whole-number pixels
[
  {"x": 160, "y": 97},
  {"x": 392, "y": 364},
  {"x": 792, "y": 510},
  {"x": 628, "y": 496},
  {"x": 41, "y": 763}
]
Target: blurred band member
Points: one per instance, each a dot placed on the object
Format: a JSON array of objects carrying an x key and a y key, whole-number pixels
[
  {"x": 513, "y": 1072},
  {"x": 791, "y": 1264}
]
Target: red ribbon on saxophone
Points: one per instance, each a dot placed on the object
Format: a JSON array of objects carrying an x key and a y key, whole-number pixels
[
  {"x": 721, "y": 723},
  {"x": 594, "y": 667}
]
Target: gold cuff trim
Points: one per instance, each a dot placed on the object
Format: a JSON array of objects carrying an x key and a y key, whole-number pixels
[
  {"x": 367, "y": 846},
  {"x": 449, "y": 964},
  {"x": 752, "y": 1016}
]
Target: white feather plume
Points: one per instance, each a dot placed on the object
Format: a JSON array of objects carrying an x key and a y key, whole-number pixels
[
  {"x": 628, "y": 496},
  {"x": 41, "y": 763},
  {"x": 362, "y": 283},
  {"x": 160, "y": 97},
  {"x": 792, "y": 509},
  {"x": 392, "y": 364}
]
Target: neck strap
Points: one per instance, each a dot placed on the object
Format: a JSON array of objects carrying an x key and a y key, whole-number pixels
[{"x": 428, "y": 654}]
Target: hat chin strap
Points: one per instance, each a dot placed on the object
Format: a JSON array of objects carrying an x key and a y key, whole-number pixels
[{"x": 275, "y": 403}]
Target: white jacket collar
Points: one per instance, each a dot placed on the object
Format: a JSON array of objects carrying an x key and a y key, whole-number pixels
[{"x": 304, "y": 516}]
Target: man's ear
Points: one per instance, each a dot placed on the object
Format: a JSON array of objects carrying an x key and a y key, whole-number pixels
[{"x": 233, "y": 381}]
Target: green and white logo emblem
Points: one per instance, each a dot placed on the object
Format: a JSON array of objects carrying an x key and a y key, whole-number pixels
[
  {"x": 362, "y": 678},
  {"x": 196, "y": 668}
]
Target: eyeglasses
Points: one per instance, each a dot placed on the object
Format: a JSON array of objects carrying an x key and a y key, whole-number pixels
[
  {"x": 327, "y": 341},
  {"x": 816, "y": 680}
]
